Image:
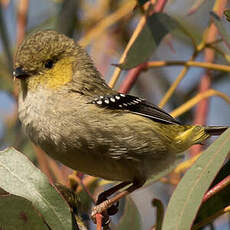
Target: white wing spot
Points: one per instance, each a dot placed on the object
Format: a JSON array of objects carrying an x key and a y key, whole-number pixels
[
  {"x": 117, "y": 97},
  {"x": 99, "y": 102},
  {"x": 106, "y": 101},
  {"x": 112, "y": 99},
  {"x": 122, "y": 95}
]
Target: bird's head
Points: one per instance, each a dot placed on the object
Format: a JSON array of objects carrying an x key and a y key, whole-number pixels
[{"x": 49, "y": 59}]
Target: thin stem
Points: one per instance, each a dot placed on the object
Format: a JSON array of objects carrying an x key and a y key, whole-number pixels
[
  {"x": 106, "y": 22},
  {"x": 57, "y": 172},
  {"x": 99, "y": 221},
  {"x": 206, "y": 65},
  {"x": 211, "y": 218},
  {"x": 43, "y": 163},
  {"x": 131, "y": 78},
  {"x": 118, "y": 70},
  {"x": 200, "y": 96},
  {"x": 160, "y": 213},
  {"x": 205, "y": 83},
  {"x": 173, "y": 87},
  {"x": 5, "y": 40},
  {"x": 22, "y": 20},
  {"x": 218, "y": 187}
]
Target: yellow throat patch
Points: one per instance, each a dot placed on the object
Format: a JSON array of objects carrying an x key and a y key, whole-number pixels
[{"x": 60, "y": 74}]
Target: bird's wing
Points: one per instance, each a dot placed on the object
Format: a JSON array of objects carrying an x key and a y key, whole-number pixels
[{"x": 135, "y": 105}]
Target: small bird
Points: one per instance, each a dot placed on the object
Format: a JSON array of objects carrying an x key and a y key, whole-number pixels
[{"x": 67, "y": 109}]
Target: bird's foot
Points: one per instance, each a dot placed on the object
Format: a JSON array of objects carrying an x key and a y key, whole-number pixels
[
  {"x": 101, "y": 209},
  {"x": 106, "y": 209}
]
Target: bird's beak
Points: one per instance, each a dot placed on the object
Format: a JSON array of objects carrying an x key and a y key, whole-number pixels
[{"x": 19, "y": 73}]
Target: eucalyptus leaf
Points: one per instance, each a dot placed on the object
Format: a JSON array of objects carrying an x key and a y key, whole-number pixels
[
  {"x": 131, "y": 218},
  {"x": 186, "y": 199},
  {"x": 157, "y": 26},
  {"x": 219, "y": 200},
  {"x": 20, "y": 177},
  {"x": 19, "y": 213},
  {"x": 219, "y": 24}
]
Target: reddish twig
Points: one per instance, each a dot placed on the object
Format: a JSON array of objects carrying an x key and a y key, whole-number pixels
[
  {"x": 22, "y": 20},
  {"x": 218, "y": 187},
  {"x": 43, "y": 163},
  {"x": 59, "y": 171},
  {"x": 160, "y": 5},
  {"x": 131, "y": 78},
  {"x": 99, "y": 221},
  {"x": 205, "y": 83}
]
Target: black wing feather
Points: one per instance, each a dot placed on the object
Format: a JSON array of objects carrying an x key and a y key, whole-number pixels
[{"x": 135, "y": 105}]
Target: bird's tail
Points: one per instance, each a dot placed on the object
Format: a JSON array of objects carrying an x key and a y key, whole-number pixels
[
  {"x": 215, "y": 130},
  {"x": 195, "y": 134},
  {"x": 198, "y": 134}
]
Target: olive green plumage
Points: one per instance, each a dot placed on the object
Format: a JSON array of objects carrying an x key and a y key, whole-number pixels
[{"x": 58, "y": 83}]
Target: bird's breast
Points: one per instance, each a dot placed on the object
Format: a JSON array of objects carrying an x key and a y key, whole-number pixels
[{"x": 93, "y": 140}]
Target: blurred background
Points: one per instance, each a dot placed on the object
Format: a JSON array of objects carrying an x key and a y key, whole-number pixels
[{"x": 104, "y": 27}]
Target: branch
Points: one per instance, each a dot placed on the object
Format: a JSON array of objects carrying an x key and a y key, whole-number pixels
[
  {"x": 99, "y": 221},
  {"x": 106, "y": 22},
  {"x": 200, "y": 96},
  {"x": 206, "y": 65},
  {"x": 211, "y": 218},
  {"x": 205, "y": 83},
  {"x": 22, "y": 20},
  {"x": 218, "y": 187}
]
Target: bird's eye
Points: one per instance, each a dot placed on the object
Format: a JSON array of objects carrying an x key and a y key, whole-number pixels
[{"x": 49, "y": 64}]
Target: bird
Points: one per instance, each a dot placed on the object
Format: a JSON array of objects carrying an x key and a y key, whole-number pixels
[{"x": 66, "y": 108}]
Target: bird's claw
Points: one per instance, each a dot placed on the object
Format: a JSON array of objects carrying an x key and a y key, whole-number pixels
[
  {"x": 101, "y": 209},
  {"x": 105, "y": 208}
]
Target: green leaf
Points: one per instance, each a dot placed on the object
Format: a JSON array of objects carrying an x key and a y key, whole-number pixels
[
  {"x": 187, "y": 198},
  {"x": 156, "y": 27},
  {"x": 218, "y": 201},
  {"x": 219, "y": 24},
  {"x": 19, "y": 213},
  {"x": 20, "y": 177},
  {"x": 131, "y": 218}
]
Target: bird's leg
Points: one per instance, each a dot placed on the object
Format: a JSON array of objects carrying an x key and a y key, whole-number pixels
[
  {"x": 104, "y": 195},
  {"x": 105, "y": 204},
  {"x": 113, "y": 209}
]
